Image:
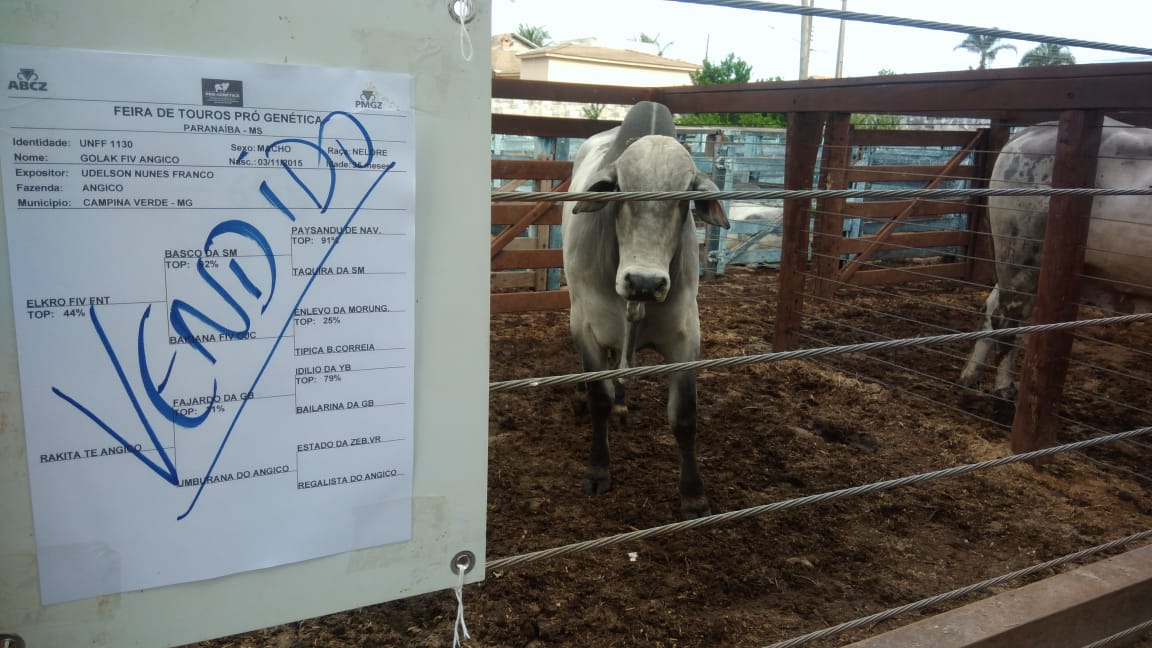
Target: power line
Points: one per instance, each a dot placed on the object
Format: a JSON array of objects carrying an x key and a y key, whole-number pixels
[{"x": 921, "y": 24}]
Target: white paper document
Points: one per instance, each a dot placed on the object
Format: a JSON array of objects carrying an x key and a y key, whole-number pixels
[{"x": 213, "y": 277}]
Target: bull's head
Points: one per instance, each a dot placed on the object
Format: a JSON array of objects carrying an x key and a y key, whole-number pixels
[{"x": 650, "y": 232}]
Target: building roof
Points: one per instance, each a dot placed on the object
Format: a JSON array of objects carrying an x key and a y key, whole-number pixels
[
  {"x": 608, "y": 55},
  {"x": 505, "y": 47},
  {"x": 509, "y": 40}
]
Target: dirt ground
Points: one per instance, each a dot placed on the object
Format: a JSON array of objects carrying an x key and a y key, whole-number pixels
[{"x": 771, "y": 432}]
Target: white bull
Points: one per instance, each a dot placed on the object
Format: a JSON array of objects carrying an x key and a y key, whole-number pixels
[
  {"x": 1117, "y": 268},
  {"x": 632, "y": 271}
]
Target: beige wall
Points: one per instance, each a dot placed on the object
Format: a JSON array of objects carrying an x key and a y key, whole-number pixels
[
  {"x": 544, "y": 108},
  {"x": 600, "y": 73}
]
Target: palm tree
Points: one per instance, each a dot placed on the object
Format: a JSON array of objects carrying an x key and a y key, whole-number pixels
[
  {"x": 986, "y": 46},
  {"x": 1047, "y": 54},
  {"x": 654, "y": 40},
  {"x": 534, "y": 33}
]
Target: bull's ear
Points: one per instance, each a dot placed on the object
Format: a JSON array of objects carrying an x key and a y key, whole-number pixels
[
  {"x": 604, "y": 180},
  {"x": 709, "y": 211}
]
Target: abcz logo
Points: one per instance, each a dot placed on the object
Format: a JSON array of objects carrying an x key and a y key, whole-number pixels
[{"x": 27, "y": 79}]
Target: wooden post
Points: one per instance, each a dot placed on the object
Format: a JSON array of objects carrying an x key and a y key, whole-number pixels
[
  {"x": 803, "y": 143},
  {"x": 1061, "y": 264},
  {"x": 543, "y": 237},
  {"x": 829, "y": 227}
]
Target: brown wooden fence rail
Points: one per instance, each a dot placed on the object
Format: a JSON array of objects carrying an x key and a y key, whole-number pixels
[
  {"x": 829, "y": 246},
  {"x": 819, "y": 110},
  {"x": 520, "y": 262}
]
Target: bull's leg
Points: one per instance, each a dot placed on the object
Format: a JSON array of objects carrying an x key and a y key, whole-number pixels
[
  {"x": 1015, "y": 310},
  {"x": 597, "y": 477},
  {"x": 580, "y": 402},
  {"x": 682, "y": 417},
  {"x": 1005, "y": 387},
  {"x": 974, "y": 369}
]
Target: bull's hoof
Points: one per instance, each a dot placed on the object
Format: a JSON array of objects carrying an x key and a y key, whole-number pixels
[
  {"x": 597, "y": 481},
  {"x": 621, "y": 413},
  {"x": 1004, "y": 404},
  {"x": 580, "y": 407},
  {"x": 1003, "y": 410},
  {"x": 695, "y": 507},
  {"x": 1007, "y": 393},
  {"x": 972, "y": 400}
]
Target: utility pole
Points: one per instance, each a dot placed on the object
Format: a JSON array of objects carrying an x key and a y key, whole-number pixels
[
  {"x": 805, "y": 40},
  {"x": 840, "y": 46}
]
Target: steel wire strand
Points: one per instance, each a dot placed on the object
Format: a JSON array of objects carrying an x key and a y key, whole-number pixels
[
  {"x": 741, "y": 514},
  {"x": 894, "y": 361},
  {"x": 932, "y": 383},
  {"x": 952, "y": 282},
  {"x": 911, "y": 394},
  {"x": 938, "y": 381},
  {"x": 848, "y": 305},
  {"x": 910, "y": 269},
  {"x": 942, "y": 353},
  {"x": 1118, "y": 284},
  {"x": 736, "y": 361},
  {"x": 1116, "y": 639},
  {"x": 1111, "y": 467},
  {"x": 964, "y": 358},
  {"x": 961, "y": 592},
  {"x": 899, "y": 172},
  {"x": 1099, "y": 398},
  {"x": 920, "y": 24},
  {"x": 914, "y": 156},
  {"x": 914, "y": 227},
  {"x": 889, "y": 246},
  {"x": 766, "y": 194},
  {"x": 918, "y": 223}
]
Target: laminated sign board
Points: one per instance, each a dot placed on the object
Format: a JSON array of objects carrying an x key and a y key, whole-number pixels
[{"x": 213, "y": 279}]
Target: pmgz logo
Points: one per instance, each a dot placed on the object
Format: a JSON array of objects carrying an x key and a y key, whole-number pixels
[
  {"x": 222, "y": 92},
  {"x": 27, "y": 79},
  {"x": 370, "y": 99}
]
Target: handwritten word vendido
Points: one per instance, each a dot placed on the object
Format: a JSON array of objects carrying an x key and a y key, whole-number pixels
[{"x": 256, "y": 280}]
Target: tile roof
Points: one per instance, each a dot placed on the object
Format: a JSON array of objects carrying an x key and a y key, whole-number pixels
[{"x": 607, "y": 54}]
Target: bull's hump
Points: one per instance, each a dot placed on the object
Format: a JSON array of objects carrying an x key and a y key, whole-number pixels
[{"x": 645, "y": 118}]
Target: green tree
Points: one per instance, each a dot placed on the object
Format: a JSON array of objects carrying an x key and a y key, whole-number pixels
[
  {"x": 731, "y": 70},
  {"x": 1047, "y": 54},
  {"x": 592, "y": 110},
  {"x": 536, "y": 34},
  {"x": 987, "y": 47},
  {"x": 868, "y": 120},
  {"x": 654, "y": 40}
]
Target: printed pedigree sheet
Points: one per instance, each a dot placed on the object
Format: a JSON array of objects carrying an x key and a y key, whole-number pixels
[{"x": 212, "y": 268}]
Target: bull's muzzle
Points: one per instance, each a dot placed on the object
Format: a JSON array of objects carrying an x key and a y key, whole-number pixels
[{"x": 635, "y": 285}]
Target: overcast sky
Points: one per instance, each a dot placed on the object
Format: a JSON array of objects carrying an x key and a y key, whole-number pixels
[{"x": 770, "y": 42}]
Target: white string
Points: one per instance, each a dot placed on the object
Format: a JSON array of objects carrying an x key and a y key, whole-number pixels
[
  {"x": 460, "y": 626},
  {"x": 464, "y": 7}
]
